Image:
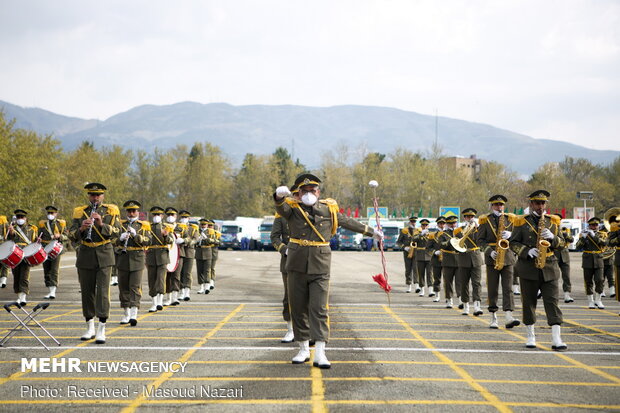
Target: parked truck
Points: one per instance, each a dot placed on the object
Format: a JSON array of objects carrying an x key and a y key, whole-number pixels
[
  {"x": 241, "y": 233},
  {"x": 264, "y": 242}
]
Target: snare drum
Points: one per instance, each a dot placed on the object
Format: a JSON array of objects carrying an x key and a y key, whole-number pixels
[
  {"x": 10, "y": 254},
  {"x": 53, "y": 249},
  {"x": 34, "y": 254}
]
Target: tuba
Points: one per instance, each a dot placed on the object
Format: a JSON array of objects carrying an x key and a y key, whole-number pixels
[
  {"x": 459, "y": 243},
  {"x": 611, "y": 219},
  {"x": 502, "y": 244},
  {"x": 542, "y": 245}
]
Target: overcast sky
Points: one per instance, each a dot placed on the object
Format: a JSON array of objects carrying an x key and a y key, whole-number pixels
[{"x": 548, "y": 69}]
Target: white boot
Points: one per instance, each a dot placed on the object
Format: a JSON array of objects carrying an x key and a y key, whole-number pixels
[
  {"x": 568, "y": 298},
  {"x": 416, "y": 287},
  {"x": 591, "y": 301},
  {"x": 304, "y": 353},
  {"x": 436, "y": 299},
  {"x": 90, "y": 330},
  {"x": 477, "y": 309},
  {"x": 21, "y": 298},
  {"x": 100, "y": 337},
  {"x": 289, "y": 337},
  {"x": 612, "y": 291},
  {"x": 175, "y": 298},
  {"x": 133, "y": 316},
  {"x": 461, "y": 305},
  {"x": 2, "y": 282},
  {"x": 52, "y": 293},
  {"x": 125, "y": 317},
  {"x": 182, "y": 294},
  {"x": 598, "y": 302},
  {"x": 603, "y": 293},
  {"x": 114, "y": 281},
  {"x": 515, "y": 289},
  {"x": 408, "y": 290},
  {"x": 154, "y": 306},
  {"x": 202, "y": 289},
  {"x": 421, "y": 292},
  {"x": 160, "y": 302},
  {"x": 493, "y": 323},
  {"x": 431, "y": 292},
  {"x": 465, "y": 309},
  {"x": 531, "y": 337},
  {"x": 211, "y": 285},
  {"x": 187, "y": 293},
  {"x": 556, "y": 340},
  {"x": 449, "y": 303},
  {"x": 510, "y": 320},
  {"x": 167, "y": 300},
  {"x": 207, "y": 288},
  {"x": 320, "y": 360}
]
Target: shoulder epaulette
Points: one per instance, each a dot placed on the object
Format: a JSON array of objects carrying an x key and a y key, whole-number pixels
[
  {"x": 431, "y": 236},
  {"x": 555, "y": 220},
  {"x": 328, "y": 201},
  {"x": 123, "y": 221},
  {"x": 112, "y": 209},
  {"x": 483, "y": 219},
  {"x": 33, "y": 227},
  {"x": 277, "y": 216},
  {"x": 519, "y": 220},
  {"x": 404, "y": 231},
  {"x": 511, "y": 217},
  {"x": 42, "y": 223},
  {"x": 145, "y": 225},
  {"x": 194, "y": 226},
  {"x": 62, "y": 223},
  {"x": 291, "y": 201},
  {"x": 458, "y": 230},
  {"x": 3, "y": 219},
  {"x": 78, "y": 212},
  {"x": 183, "y": 226}
]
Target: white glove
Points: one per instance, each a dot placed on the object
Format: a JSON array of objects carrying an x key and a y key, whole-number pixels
[
  {"x": 133, "y": 231},
  {"x": 506, "y": 234},
  {"x": 203, "y": 237},
  {"x": 591, "y": 232},
  {"x": 438, "y": 252},
  {"x": 286, "y": 251},
  {"x": 424, "y": 231},
  {"x": 378, "y": 235},
  {"x": 547, "y": 234},
  {"x": 584, "y": 234},
  {"x": 407, "y": 248},
  {"x": 282, "y": 191},
  {"x": 123, "y": 236},
  {"x": 494, "y": 255},
  {"x": 533, "y": 253},
  {"x": 179, "y": 241}
]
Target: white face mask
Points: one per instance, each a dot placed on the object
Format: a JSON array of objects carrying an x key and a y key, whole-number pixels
[
  {"x": 411, "y": 225},
  {"x": 184, "y": 220},
  {"x": 156, "y": 219},
  {"x": 171, "y": 219},
  {"x": 21, "y": 221},
  {"x": 132, "y": 219},
  {"x": 309, "y": 199},
  {"x": 497, "y": 213},
  {"x": 51, "y": 217}
]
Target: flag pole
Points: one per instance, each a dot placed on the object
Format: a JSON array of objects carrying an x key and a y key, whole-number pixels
[{"x": 374, "y": 184}]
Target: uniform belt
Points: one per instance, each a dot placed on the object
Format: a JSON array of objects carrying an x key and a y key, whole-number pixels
[
  {"x": 46, "y": 241},
  {"x": 136, "y": 248},
  {"x": 157, "y": 246},
  {"x": 96, "y": 244},
  {"x": 449, "y": 252},
  {"x": 419, "y": 249},
  {"x": 308, "y": 243},
  {"x": 492, "y": 244},
  {"x": 593, "y": 252},
  {"x": 205, "y": 246}
]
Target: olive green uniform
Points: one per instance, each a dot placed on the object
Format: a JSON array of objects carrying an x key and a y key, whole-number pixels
[
  {"x": 22, "y": 235},
  {"x": 173, "y": 279},
  {"x": 487, "y": 238},
  {"x": 423, "y": 255},
  {"x": 524, "y": 237},
  {"x": 592, "y": 262},
  {"x": 214, "y": 253},
  {"x": 564, "y": 260},
  {"x": 434, "y": 246},
  {"x": 187, "y": 251},
  {"x": 4, "y": 229},
  {"x": 204, "y": 256},
  {"x": 47, "y": 229},
  {"x": 469, "y": 267},
  {"x": 309, "y": 260},
  {"x": 614, "y": 242},
  {"x": 449, "y": 265},
  {"x": 157, "y": 258},
  {"x": 131, "y": 262},
  {"x": 279, "y": 239},
  {"x": 405, "y": 239},
  {"x": 95, "y": 258}
]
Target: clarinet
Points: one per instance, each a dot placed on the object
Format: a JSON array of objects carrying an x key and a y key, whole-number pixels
[{"x": 89, "y": 234}]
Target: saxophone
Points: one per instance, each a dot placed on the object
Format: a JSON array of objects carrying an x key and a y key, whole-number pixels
[
  {"x": 502, "y": 245},
  {"x": 541, "y": 244}
]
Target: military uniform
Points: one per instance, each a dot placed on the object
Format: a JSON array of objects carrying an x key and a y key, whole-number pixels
[
  {"x": 187, "y": 252},
  {"x": 592, "y": 243},
  {"x": 469, "y": 267},
  {"x": 133, "y": 243},
  {"x": 52, "y": 229},
  {"x": 4, "y": 229},
  {"x": 173, "y": 278},
  {"x": 423, "y": 254},
  {"x": 312, "y": 223},
  {"x": 214, "y": 254},
  {"x": 95, "y": 259},
  {"x": 204, "y": 255},
  {"x": 280, "y": 236},
  {"x": 614, "y": 242},
  {"x": 524, "y": 242},
  {"x": 405, "y": 241},
  {"x": 449, "y": 264},
  {"x": 22, "y": 235},
  {"x": 562, "y": 254},
  {"x": 435, "y": 249},
  {"x": 157, "y": 258}
]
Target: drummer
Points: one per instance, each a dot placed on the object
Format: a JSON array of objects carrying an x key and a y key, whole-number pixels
[
  {"x": 52, "y": 229},
  {"x": 22, "y": 234},
  {"x": 157, "y": 258},
  {"x": 4, "y": 229}
]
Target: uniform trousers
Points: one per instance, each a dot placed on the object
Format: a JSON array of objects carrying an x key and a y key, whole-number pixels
[
  {"x": 308, "y": 298},
  {"x": 411, "y": 273},
  {"x": 21, "y": 278},
  {"x": 465, "y": 275},
  {"x": 565, "y": 269},
  {"x": 436, "y": 278},
  {"x": 173, "y": 279},
  {"x": 286, "y": 312},
  {"x": 425, "y": 275},
  {"x": 593, "y": 277},
  {"x": 608, "y": 273},
  {"x": 95, "y": 286},
  {"x": 50, "y": 272},
  {"x": 157, "y": 279},
  {"x": 130, "y": 288},
  {"x": 550, "y": 295},
  {"x": 203, "y": 269},
  {"x": 451, "y": 283},
  {"x": 494, "y": 278},
  {"x": 186, "y": 272}
]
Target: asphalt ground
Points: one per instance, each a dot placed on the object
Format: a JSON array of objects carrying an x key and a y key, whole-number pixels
[{"x": 412, "y": 354}]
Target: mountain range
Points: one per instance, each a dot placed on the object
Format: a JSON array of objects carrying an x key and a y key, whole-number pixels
[{"x": 308, "y": 131}]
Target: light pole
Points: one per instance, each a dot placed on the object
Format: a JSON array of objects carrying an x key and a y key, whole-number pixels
[{"x": 585, "y": 196}]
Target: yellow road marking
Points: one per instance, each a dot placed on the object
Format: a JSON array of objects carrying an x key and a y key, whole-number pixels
[
  {"x": 318, "y": 388},
  {"x": 486, "y": 394},
  {"x": 186, "y": 356}
]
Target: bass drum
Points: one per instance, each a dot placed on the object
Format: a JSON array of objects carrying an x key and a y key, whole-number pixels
[
  {"x": 10, "y": 254},
  {"x": 174, "y": 256}
]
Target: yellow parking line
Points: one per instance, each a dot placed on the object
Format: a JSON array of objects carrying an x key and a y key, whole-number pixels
[
  {"x": 607, "y": 333},
  {"x": 486, "y": 394},
  {"x": 186, "y": 356}
]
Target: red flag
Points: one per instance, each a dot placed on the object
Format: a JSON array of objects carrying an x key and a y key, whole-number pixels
[
  {"x": 563, "y": 213},
  {"x": 349, "y": 211},
  {"x": 380, "y": 279},
  {"x": 357, "y": 212},
  {"x": 556, "y": 211},
  {"x": 342, "y": 211}
]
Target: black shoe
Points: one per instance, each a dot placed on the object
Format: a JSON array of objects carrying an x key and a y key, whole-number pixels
[
  {"x": 159, "y": 308},
  {"x": 539, "y": 295},
  {"x": 559, "y": 348},
  {"x": 461, "y": 306},
  {"x": 478, "y": 313},
  {"x": 186, "y": 299},
  {"x": 133, "y": 322},
  {"x": 175, "y": 303},
  {"x": 311, "y": 343},
  {"x": 513, "y": 323},
  {"x": 322, "y": 366},
  {"x": 207, "y": 291}
]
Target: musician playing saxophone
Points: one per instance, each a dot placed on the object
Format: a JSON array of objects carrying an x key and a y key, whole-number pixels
[
  {"x": 534, "y": 238},
  {"x": 422, "y": 238},
  {"x": 95, "y": 228},
  {"x": 469, "y": 262},
  {"x": 435, "y": 248},
  {"x": 405, "y": 242},
  {"x": 492, "y": 237}
]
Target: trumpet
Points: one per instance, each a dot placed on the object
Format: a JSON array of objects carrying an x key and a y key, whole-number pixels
[
  {"x": 89, "y": 234},
  {"x": 459, "y": 243}
]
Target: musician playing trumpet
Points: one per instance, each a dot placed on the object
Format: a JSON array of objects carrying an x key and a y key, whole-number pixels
[
  {"x": 469, "y": 262},
  {"x": 592, "y": 242},
  {"x": 405, "y": 242},
  {"x": 133, "y": 242},
  {"x": 534, "y": 238},
  {"x": 22, "y": 234},
  {"x": 422, "y": 238},
  {"x": 493, "y": 233}
]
